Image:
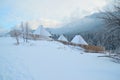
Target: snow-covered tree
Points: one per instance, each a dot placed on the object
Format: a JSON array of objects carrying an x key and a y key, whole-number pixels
[{"x": 112, "y": 23}]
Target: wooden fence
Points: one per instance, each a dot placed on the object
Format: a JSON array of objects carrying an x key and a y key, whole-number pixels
[{"x": 88, "y": 48}]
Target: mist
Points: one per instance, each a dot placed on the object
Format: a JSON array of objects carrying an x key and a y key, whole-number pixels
[{"x": 87, "y": 23}]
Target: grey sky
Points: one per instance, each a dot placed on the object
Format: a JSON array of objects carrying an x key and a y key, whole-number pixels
[{"x": 50, "y": 11}]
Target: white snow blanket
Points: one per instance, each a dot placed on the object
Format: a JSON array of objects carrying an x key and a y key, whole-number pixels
[
  {"x": 41, "y": 31},
  {"x": 62, "y": 38},
  {"x": 50, "y": 60},
  {"x": 79, "y": 40}
]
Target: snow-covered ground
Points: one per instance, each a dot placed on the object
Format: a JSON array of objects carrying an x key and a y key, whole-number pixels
[{"x": 50, "y": 60}]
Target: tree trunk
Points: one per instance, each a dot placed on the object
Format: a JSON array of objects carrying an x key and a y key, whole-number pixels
[{"x": 17, "y": 39}]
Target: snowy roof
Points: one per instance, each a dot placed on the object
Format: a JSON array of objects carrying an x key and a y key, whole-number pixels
[
  {"x": 79, "y": 40},
  {"x": 41, "y": 31},
  {"x": 62, "y": 37}
]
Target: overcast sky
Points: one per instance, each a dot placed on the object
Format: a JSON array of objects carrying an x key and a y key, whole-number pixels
[{"x": 49, "y": 12}]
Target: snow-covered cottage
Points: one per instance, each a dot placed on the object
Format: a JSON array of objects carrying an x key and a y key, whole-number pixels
[
  {"x": 78, "y": 39},
  {"x": 41, "y": 33},
  {"x": 62, "y": 38}
]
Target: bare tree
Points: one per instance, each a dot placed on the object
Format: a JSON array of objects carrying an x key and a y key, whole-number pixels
[
  {"x": 111, "y": 18},
  {"x": 16, "y": 34},
  {"x": 22, "y": 31},
  {"x": 26, "y": 32}
]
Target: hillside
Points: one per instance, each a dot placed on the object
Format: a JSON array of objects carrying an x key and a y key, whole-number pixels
[{"x": 50, "y": 60}]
